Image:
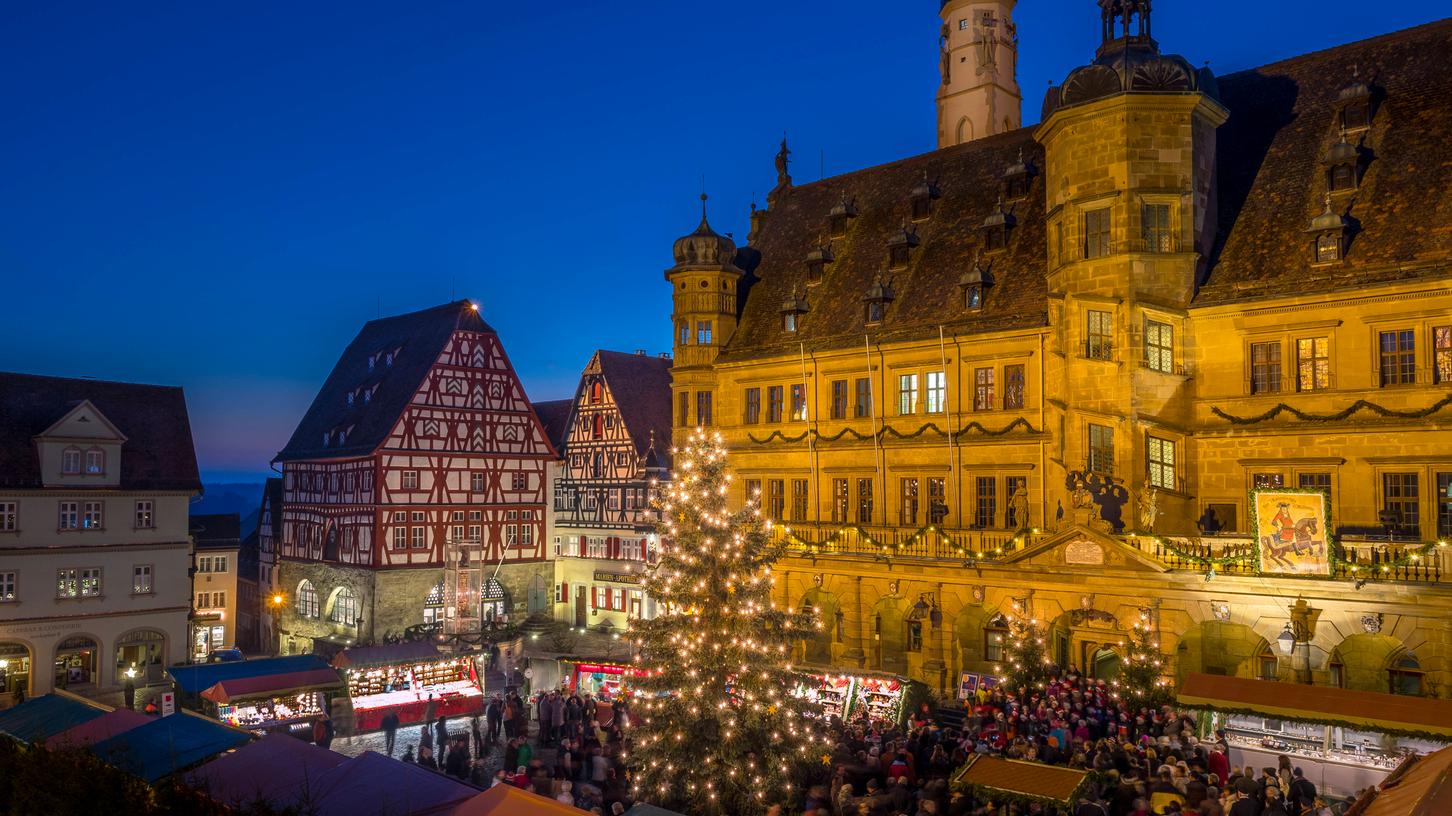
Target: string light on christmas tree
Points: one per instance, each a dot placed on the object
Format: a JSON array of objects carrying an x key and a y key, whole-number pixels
[{"x": 714, "y": 665}]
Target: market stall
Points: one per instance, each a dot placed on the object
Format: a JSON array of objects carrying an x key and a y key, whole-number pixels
[
  {"x": 603, "y": 681},
  {"x": 276, "y": 702},
  {"x": 1344, "y": 741},
  {"x": 1421, "y": 786},
  {"x": 848, "y": 696},
  {"x": 989, "y": 778},
  {"x": 413, "y": 680}
]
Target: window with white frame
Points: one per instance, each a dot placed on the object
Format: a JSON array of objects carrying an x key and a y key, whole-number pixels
[
  {"x": 9, "y": 517},
  {"x": 937, "y": 392},
  {"x": 596, "y": 546},
  {"x": 476, "y": 482},
  {"x": 68, "y": 583},
  {"x": 410, "y": 480},
  {"x": 400, "y": 538},
  {"x": 141, "y": 583},
  {"x": 418, "y": 538},
  {"x": 145, "y": 515},
  {"x": 474, "y": 533},
  {"x": 95, "y": 462},
  {"x": 632, "y": 549},
  {"x": 94, "y": 516},
  {"x": 907, "y": 394},
  {"x": 7, "y": 586},
  {"x": 71, "y": 461},
  {"x": 70, "y": 516}
]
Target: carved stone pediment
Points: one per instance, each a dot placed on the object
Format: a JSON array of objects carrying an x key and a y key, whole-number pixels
[{"x": 1080, "y": 547}]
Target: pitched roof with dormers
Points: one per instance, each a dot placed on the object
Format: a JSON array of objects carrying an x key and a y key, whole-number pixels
[
  {"x": 641, "y": 387},
  {"x": 157, "y": 454}
]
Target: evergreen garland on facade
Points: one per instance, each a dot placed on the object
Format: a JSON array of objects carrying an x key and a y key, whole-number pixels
[{"x": 715, "y": 727}]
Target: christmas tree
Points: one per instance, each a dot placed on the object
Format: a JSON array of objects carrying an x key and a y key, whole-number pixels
[
  {"x": 1141, "y": 679},
  {"x": 1026, "y": 653},
  {"x": 715, "y": 727}
]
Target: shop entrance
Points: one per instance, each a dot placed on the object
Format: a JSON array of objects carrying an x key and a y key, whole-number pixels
[
  {"x": 14, "y": 671},
  {"x": 143, "y": 651},
  {"x": 205, "y": 638},
  {"x": 75, "y": 662}
]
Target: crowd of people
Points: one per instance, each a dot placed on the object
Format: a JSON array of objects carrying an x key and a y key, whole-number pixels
[{"x": 1142, "y": 761}]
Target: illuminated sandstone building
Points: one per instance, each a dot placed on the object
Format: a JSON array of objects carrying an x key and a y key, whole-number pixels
[{"x": 1052, "y": 364}]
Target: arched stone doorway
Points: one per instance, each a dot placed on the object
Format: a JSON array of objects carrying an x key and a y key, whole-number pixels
[
  {"x": 144, "y": 651},
  {"x": 890, "y": 635},
  {"x": 76, "y": 660},
  {"x": 818, "y": 649},
  {"x": 980, "y": 633},
  {"x": 1221, "y": 648},
  {"x": 1105, "y": 665},
  {"x": 15, "y": 668},
  {"x": 1366, "y": 662}
]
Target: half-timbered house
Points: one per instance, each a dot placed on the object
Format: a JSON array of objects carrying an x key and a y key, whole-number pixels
[
  {"x": 616, "y": 440},
  {"x": 420, "y": 447}
]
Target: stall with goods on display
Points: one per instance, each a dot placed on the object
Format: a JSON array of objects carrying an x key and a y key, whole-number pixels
[
  {"x": 603, "y": 681},
  {"x": 1343, "y": 740},
  {"x": 413, "y": 680},
  {"x": 288, "y": 702},
  {"x": 873, "y": 697}
]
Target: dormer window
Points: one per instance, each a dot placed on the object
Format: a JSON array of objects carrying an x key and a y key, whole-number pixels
[
  {"x": 1018, "y": 178},
  {"x": 974, "y": 286},
  {"x": 1328, "y": 235},
  {"x": 1341, "y": 178},
  {"x": 876, "y": 310},
  {"x": 900, "y": 248},
  {"x": 1355, "y": 104},
  {"x": 71, "y": 462},
  {"x": 388, "y": 360},
  {"x": 1328, "y": 248},
  {"x": 372, "y": 363},
  {"x": 789, "y": 321},
  {"x": 877, "y": 300},
  {"x": 922, "y": 198},
  {"x": 817, "y": 261},
  {"x": 840, "y": 217},
  {"x": 996, "y": 227},
  {"x": 95, "y": 462},
  {"x": 792, "y": 310},
  {"x": 352, "y": 396},
  {"x": 1343, "y": 166},
  {"x": 327, "y": 437}
]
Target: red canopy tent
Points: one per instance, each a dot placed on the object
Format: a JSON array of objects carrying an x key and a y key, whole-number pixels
[{"x": 101, "y": 728}]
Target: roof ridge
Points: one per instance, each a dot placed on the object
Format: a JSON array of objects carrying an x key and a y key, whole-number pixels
[
  {"x": 1390, "y": 36},
  {"x": 984, "y": 143},
  {"x": 88, "y": 380}
]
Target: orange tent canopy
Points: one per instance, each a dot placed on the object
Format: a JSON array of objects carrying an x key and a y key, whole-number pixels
[
  {"x": 1423, "y": 789},
  {"x": 507, "y": 800}
]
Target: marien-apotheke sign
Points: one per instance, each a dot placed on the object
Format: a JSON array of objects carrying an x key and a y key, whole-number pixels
[{"x": 616, "y": 578}]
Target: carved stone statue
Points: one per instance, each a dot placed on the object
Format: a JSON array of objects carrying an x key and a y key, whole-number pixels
[
  {"x": 783, "y": 176},
  {"x": 1150, "y": 510},
  {"x": 947, "y": 65},
  {"x": 1018, "y": 507},
  {"x": 1081, "y": 497}
]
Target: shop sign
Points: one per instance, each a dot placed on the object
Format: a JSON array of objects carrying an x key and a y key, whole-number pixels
[
  {"x": 595, "y": 668},
  {"x": 168, "y": 703},
  {"x": 616, "y": 578}
]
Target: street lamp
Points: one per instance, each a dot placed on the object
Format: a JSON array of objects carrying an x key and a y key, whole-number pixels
[
  {"x": 275, "y": 604},
  {"x": 1287, "y": 640}
]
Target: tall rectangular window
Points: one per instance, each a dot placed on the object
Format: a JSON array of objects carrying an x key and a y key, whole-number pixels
[
  {"x": 703, "y": 333},
  {"x": 907, "y": 394},
  {"x": 1399, "y": 495},
  {"x": 983, "y": 387},
  {"x": 9, "y": 517},
  {"x": 863, "y": 404},
  {"x": 70, "y": 516},
  {"x": 1155, "y": 220},
  {"x": 145, "y": 515},
  {"x": 753, "y": 490},
  {"x": 685, "y": 332},
  {"x": 1265, "y": 368},
  {"x": 864, "y": 501},
  {"x": 418, "y": 538},
  {"x": 703, "y": 408},
  {"x": 908, "y": 502},
  {"x": 1101, "y": 449},
  {"x": 1442, "y": 353},
  {"x": 937, "y": 499},
  {"x": 985, "y": 506},
  {"x": 753, "y": 406},
  {"x": 1013, "y": 387},
  {"x": 839, "y": 399},
  {"x": 1096, "y": 233},
  {"x": 91, "y": 582},
  {"x": 775, "y": 397},
  {"x": 1160, "y": 454},
  {"x": 1313, "y": 363},
  {"x": 1444, "y": 505},
  {"x": 70, "y": 461},
  {"x": 476, "y": 482},
  {"x": 683, "y": 408},
  {"x": 141, "y": 583},
  {"x": 937, "y": 392},
  {"x": 1060, "y": 248},
  {"x": 1098, "y": 335},
  {"x": 400, "y": 538},
  {"x": 68, "y": 583},
  {"x": 410, "y": 480},
  {"x": 800, "y": 499},
  {"x": 1398, "y": 357},
  {"x": 7, "y": 586},
  {"x": 1159, "y": 346},
  {"x": 799, "y": 403},
  {"x": 840, "y": 501},
  {"x": 776, "y": 499},
  {"x": 1316, "y": 481},
  {"x": 95, "y": 462}
]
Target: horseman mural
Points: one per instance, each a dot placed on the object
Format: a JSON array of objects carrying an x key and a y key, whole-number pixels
[{"x": 1291, "y": 529}]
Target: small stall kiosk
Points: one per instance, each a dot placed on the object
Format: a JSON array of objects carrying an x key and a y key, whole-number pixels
[
  {"x": 413, "y": 680},
  {"x": 1005, "y": 782},
  {"x": 1344, "y": 740},
  {"x": 287, "y": 702},
  {"x": 603, "y": 681},
  {"x": 876, "y": 697}
]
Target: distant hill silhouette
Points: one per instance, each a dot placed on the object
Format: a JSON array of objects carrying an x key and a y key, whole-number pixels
[{"x": 242, "y": 498}]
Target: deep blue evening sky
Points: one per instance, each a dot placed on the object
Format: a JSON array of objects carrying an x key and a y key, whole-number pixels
[{"x": 217, "y": 195}]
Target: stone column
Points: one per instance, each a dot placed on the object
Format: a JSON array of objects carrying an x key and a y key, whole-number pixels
[
  {"x": 935, "y": 667},
  {"x": 856, "y": 652}
]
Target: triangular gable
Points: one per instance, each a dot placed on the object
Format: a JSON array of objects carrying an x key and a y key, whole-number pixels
[
  {"x": 84, "y": 421},
  {"x": 1078, "y": 546}
]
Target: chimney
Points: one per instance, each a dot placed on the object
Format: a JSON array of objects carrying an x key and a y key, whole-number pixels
[{"x": 640, "y": 352}]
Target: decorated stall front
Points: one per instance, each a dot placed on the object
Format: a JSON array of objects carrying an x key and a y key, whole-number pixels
[
  {"x": 1003, "y": 782},
  {"x": 413, "y": 680},
  {"x": 1344, "y": 741},
  {"x": 875, "y": 697},
  {"x": 287, "y": 702},
  {"x": 601, "y": 680}
]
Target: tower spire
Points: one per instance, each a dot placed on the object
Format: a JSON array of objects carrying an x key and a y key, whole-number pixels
[{"x": 978, "y": 55}]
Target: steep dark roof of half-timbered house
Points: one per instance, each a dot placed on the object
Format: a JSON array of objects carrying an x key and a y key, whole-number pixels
[
  {"x": 554, "y": 415},
  {"x": 381, "y": 369},
  {"x": 641, "y": 387}
]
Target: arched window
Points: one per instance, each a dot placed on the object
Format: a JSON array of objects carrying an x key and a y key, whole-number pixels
[
  {"x": 433, "y": 610},
  {"x": 345, "y": 607},
  {"x": 1266, "y": 664},
  {"x": 995, "y": 635},
  {"x": 307, "y": 600},
  {"x": 597, "y": 427},
  {"x": 965, "y": 130},
  {"x": 1405, "y": 676},
  {"x": 597, "y": 392}
]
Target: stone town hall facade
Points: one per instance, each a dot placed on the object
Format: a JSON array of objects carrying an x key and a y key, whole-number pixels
[{"x": 1049, "y": 365}]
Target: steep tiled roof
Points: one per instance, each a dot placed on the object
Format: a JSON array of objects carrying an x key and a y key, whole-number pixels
[
  {"x": 641, "y": 387},
  {"x": 157, "y": 455},
  {"x": 418, "y": 338},
  {"x": 969, "y": 178},
  {"x": 554, "y": 415},
  {"x": 216, "y": 530},
  {"x": 1283, "y": 120},
  {"x": 272, "y": 496}
]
